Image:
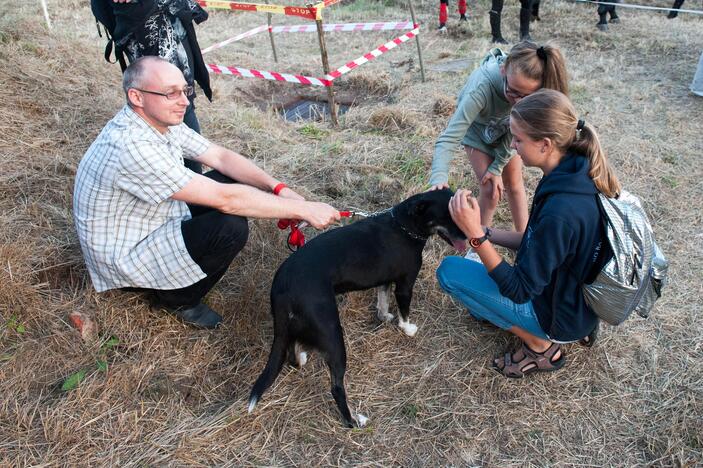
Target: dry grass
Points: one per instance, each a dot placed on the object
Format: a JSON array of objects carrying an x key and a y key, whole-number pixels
[
  {"x": 444, "y": 106},
  {"x": 176, "y": 396},
  {"x": 394, "y": 120},
  {"x": 369, "y": 84}
]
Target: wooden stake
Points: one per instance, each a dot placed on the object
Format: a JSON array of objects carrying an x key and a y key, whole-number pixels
[
  {"x": 273, "y": 44},
  {"x": 417, "y": 41},
  {"x": 326, "y": 69}
]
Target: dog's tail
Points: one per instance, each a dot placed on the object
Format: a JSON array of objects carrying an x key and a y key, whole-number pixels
[{"x": 276, "y": 357}]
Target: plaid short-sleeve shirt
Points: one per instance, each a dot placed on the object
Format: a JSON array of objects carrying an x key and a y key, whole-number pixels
[{"x": 128, "y": 226}]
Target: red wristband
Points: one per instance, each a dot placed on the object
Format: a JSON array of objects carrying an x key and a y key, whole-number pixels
[{"x": 277, "y": 189}]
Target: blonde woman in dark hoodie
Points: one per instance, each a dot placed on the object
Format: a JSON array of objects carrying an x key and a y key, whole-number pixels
[{"x": 539, "y": 297}]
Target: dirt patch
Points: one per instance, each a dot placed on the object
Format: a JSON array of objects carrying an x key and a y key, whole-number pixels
[
  {"x": 453, "y": 66},
  {"x": 296, "y": 102}
]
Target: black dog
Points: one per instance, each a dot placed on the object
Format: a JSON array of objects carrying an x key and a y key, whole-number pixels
[{"x": 377, "y": 251}]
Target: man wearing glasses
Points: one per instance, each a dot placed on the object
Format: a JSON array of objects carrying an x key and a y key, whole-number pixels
[{"x": 145, "y": 222}]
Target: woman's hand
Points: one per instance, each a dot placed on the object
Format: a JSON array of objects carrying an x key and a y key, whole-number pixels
[
  {"x": 443, "y": 185},
  {"x": 466, "y": 213},
  {"x": 494, "y": 184}
]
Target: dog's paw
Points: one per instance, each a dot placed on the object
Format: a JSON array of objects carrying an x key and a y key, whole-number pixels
[
  {"x": 361, "y": 420},
  {"x": 252, "y": 404},
  {"x": 408, "y": 328},
  {"x": 302, "y": 358},
  {"x": 384, "y": 316}
]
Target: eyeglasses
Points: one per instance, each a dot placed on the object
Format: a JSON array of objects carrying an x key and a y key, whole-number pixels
[
  {"x": 511, "y": 92},
  {"x": 173, "y": 95}
]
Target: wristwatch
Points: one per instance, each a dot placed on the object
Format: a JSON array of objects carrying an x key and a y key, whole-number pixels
[{"x": 475, "y": 242}]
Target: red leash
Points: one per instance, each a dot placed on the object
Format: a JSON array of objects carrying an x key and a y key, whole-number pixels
[{"x": 296, "y": 238}]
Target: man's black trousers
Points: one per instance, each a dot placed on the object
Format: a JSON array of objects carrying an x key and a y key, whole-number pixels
[{"x": 213, "y": 239}]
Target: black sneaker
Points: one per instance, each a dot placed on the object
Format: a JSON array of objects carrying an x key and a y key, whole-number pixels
[
  {"x": 442, "y": 27},
  {"x": 463, "y": 18},
  {"x": 199, "y": 316}
]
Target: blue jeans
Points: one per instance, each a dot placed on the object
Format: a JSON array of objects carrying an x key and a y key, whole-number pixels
[{"x": 468, "y": 282}]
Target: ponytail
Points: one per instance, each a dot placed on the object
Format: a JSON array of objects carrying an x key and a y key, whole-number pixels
[
  {"x": 545, "y": 64},
  {"x": 550, "y": 114},
  {"x": 600, "y": 171}
]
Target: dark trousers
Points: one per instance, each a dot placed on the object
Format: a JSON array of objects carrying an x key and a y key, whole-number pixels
[
  {"x": 213, "y": 239},
  {"x": 191, "y": 120},
  {"x": 603, "y": 11}
]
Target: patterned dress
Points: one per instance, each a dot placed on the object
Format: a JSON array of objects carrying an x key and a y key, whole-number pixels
[{"x": 164, "y": 35}]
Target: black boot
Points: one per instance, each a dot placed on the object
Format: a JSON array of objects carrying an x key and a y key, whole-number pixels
[
  {"x": 603, "y": 15},
  {"x": 674, "y": 13},
  {"x": 525, "y": 14},
  {"x": 535, "y": 11},
  {"x": 495, "y": 28},
  {"x": 200, "y": 316}
]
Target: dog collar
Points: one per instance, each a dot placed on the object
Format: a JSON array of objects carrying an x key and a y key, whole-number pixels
[{"x": 405, "y": 230}]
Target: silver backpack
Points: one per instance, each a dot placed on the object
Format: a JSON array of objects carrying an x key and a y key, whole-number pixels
[{"x": 633, "y": 279}]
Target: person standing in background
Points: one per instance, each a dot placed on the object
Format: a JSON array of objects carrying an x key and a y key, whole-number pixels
[
  {"x": 526, "y": 12},
  {"x": 443, "y": 14},
  {"x": 164, "y": 28}
]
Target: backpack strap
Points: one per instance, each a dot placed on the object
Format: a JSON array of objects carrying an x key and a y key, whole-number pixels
[
  {"x": 110, "y": 46},
  {"x": 605, "y": 251}
]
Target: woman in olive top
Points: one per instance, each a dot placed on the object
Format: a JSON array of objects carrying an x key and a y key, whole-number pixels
[{"x": 480, "y": 124}]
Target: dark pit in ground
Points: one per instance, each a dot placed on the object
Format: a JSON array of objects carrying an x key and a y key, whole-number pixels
[{"x": 309, "y": 109}]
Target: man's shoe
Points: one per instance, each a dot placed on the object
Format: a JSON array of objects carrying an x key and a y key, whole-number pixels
[
  {"x": 463, "y": 18},
  {"x": 602, "y": 26},
  {"x": 615, "y": 20},
  {"x": 199, "y": 316},
  {"x": 442, "y": 28}
]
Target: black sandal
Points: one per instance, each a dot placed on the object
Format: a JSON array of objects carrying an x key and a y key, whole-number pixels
[
  {"x": 525, "y": 361},
  {"x": 589, "y": 340}
]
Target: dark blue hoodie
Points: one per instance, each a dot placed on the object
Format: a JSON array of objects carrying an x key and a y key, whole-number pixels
[{"x": 557, "y": 254}]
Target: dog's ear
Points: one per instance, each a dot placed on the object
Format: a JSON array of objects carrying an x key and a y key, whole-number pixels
[{"x": 420, "y": 207}]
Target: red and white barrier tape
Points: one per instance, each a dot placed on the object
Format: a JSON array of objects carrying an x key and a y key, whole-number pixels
[
  {"x": 373, "y": 54},
  {"x": 267, "y": 75},
  {"x": 384, "y": 26},
  {"x": 239, "y": 37},
  {"x": 312, "y": 13},
  {"x": 336, "y": 27},
  {"x": 309, "y": 80}
]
